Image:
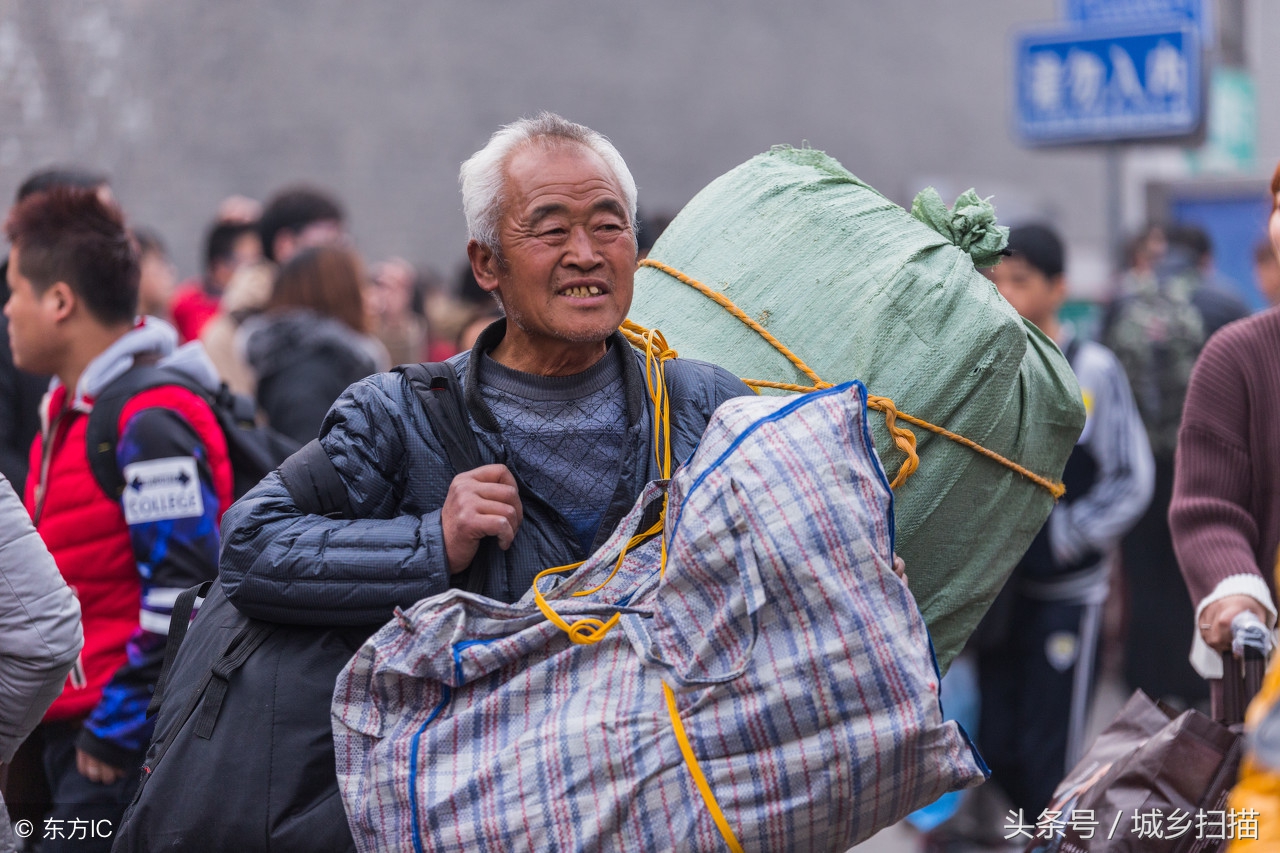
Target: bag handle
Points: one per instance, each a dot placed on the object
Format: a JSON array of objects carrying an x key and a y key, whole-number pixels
[
  {"x": 238, "y": 650},
  {"x": 179, "y": 621},
  {"x": 1243, "y": 667}
]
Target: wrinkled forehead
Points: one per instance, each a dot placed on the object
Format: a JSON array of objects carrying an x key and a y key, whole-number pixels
[{"x": 540, "y": 152}]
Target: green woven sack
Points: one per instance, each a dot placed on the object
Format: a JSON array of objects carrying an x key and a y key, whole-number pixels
[{"x": 857, "y": 288}]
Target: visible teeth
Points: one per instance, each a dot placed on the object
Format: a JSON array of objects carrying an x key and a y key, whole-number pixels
[{"x": 583, "y": 290}]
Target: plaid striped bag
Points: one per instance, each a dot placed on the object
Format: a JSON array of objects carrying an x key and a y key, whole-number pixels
[{"x": 770, "y": 687}]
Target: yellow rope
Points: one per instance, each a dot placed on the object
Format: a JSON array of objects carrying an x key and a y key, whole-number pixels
[
  {"x": 903, "y": 438},
  {"x": 695, "y": 770},
  {"x": 589, "y": 629}
]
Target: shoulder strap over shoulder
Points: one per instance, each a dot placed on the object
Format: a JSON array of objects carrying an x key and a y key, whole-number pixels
[
  {"x": 317, "y": 488},
  {"x": 102, "y": 433},
  {"x": 440, "y": 393},
  {"x": 437, "y": 388}
]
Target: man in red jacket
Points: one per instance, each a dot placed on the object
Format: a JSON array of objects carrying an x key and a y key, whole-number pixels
[{"x": 73, "y": 278}]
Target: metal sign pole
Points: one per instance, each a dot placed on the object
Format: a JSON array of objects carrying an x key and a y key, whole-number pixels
[{"x": 1114, "y": 158}]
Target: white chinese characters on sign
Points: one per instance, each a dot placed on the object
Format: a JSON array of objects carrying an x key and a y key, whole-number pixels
[
  {"x": 1124, "y": 76},
  {"x": 1085, "y": 82},
  {"x": 1166, "y": 72},
  {"x": 1088, "y": 74},
  {"x": 1045, "y": 85}
]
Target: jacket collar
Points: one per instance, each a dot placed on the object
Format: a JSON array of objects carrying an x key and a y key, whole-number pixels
[{"x": 150, "y": 339}]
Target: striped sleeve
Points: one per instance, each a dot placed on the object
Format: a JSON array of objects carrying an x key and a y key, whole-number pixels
[
  {"x": 1115, "y": 437},
  {"x": 171, "y": 505}
]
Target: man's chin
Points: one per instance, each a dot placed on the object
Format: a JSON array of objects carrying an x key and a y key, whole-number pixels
[
  {"x": 595, "y": 332},
  {"x": 576, "y": 333}
]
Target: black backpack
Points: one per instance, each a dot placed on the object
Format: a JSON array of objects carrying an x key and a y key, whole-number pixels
[
  {"x": 254, "y": 450},
  {"x": 242, "y": 756}
]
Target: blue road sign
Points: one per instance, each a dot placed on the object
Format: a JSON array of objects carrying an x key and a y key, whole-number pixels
[
  {"x": 1142, "y": 13},
  {"x": 1076, "y": 86}
]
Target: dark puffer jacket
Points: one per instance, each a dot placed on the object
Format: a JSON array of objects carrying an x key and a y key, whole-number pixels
[
  {"x": 303, "y": 362},
  {"x": 281, "y": 565}
]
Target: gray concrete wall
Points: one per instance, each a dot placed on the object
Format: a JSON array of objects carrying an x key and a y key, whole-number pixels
[{"x": 185, "y": 102}]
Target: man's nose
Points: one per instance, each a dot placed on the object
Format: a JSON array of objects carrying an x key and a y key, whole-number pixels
[{"x": 581, "y": 251}]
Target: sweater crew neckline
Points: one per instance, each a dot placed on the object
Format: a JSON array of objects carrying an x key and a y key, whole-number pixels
[{"x": 532, "y": 386}]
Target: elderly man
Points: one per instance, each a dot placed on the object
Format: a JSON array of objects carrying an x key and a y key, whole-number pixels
[
  {"x": 558, "y": 405},
  {"x": 554, "y": 395}
]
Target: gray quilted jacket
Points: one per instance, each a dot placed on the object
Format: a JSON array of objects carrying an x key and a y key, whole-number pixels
[
  {"x": 281, "y": 565},
  {"x": 40, "y": 634}
]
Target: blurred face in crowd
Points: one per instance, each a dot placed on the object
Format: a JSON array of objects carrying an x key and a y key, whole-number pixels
[
  {"x": 323, "y": 232},
  {"x": 1031, "y": 293},
  {"x": 155, "y": 284},
  {"x": 1267, "y": 270},
  {"x": 246, "y": 250},
  {"x": 1273, "y": 228},
  {"x": 34, "y": 335},
  {"x": 567, "y": 262}
]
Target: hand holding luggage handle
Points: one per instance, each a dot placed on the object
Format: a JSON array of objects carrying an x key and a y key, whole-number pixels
[{"x": 1243, "y": 668}]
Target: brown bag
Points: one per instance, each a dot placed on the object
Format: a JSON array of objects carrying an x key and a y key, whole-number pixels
[{"x": 1155, "y": 780}]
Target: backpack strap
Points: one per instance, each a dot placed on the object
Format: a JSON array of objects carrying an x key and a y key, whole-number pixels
[
  {"x": 317, "y": 488},
  {"x": 440, "y": 393},
  {"x": 102, "y": 433},
  {"x": 314, "y": 484},
  {"x": 179, "y": 621},
  {"x": 437, "y": 388},
  {"x": 244, "y": 643}
]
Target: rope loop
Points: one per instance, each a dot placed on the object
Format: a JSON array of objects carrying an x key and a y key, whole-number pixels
[{"x": 903, "y": 438}]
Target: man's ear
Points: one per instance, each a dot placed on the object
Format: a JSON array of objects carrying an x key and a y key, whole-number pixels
[
  {"x": 1058, "y": 288},
  {"x": 484, "y": 266},
  {"x": 61, "y": 300}
]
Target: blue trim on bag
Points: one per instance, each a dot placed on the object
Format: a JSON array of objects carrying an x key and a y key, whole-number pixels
[
  {"x": 973, "y": 750},
  {"x": 973, "y": 747},
  {"x": 457, "y": 658},
  {"x": 778, "y": 415},
  {"x": 445, "y": 696},
  {"x": 884, "y": 477}
]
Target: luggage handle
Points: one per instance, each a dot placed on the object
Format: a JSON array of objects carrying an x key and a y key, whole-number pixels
[
  {"x": 1243, "y": 667},
  {"x": 237, "y": 652}
]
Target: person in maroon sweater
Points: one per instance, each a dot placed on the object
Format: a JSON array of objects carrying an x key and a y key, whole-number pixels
[{"x": 1225, "y": 513}]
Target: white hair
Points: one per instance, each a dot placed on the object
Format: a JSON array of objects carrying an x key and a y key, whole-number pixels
[{"x": 483, "y": 176}]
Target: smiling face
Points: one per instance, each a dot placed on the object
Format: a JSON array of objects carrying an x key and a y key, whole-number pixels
[{"x": 567, "y": 258}]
